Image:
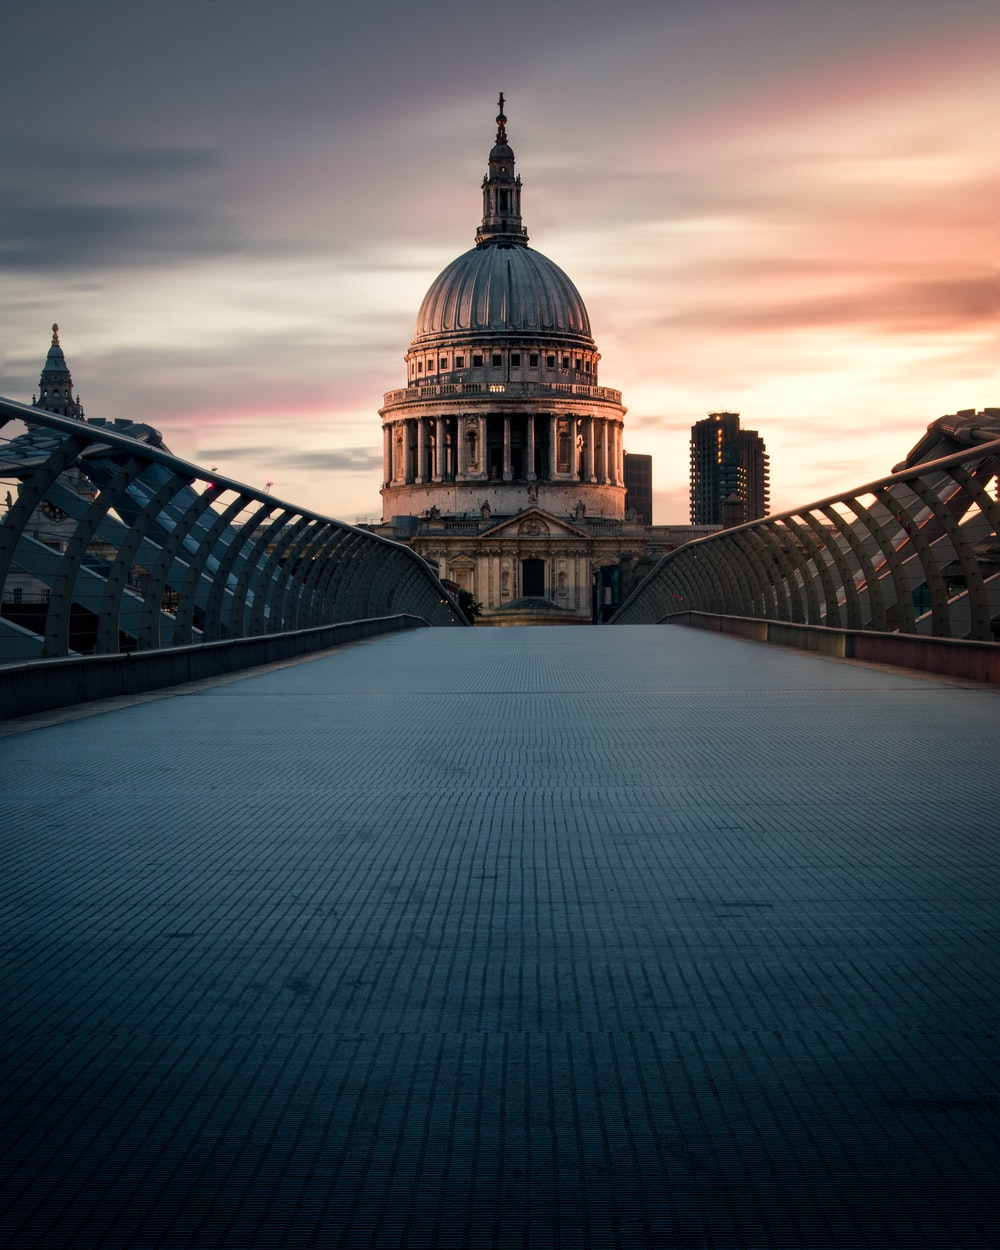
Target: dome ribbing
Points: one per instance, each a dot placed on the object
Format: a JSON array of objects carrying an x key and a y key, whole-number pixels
[{"x": 500, "y": 289}]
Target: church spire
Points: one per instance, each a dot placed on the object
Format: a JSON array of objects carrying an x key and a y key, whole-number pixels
[
  {"x": 501, "y": 194},
  {"x": 55, "y": 386}
]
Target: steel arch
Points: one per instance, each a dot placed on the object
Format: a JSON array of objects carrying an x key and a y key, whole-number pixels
[
  {"x": 110, "y": 499},
  {"x": 856, "y": 560}
]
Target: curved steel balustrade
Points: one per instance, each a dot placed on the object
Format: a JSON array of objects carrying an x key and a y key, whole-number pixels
[
  {"x": 109, "y": 543},
  {"x": 916, "y": 552}
]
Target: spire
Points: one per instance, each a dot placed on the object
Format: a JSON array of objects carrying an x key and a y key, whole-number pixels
[
  {"x": 55, "y": 386},
  {"x": 501, "y": 194},
  {"x": 501, "y": 132}
]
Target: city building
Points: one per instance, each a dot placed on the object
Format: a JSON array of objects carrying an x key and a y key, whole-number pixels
[
  {"x": 503, "y": 456},
  {"x": 639, "y": 487},
  {"x": 729, "y": 472}
]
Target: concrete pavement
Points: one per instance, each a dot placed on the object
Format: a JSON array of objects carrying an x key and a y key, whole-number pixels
[{"x": 619, "y": 937}]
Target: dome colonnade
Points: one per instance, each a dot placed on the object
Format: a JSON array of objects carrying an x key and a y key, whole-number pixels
[{"x": 503, "y": 434}]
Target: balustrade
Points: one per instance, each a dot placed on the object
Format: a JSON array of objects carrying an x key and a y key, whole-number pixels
[
  {"x": 914, "y": 552},
  {"x": 109, "y": 543}
]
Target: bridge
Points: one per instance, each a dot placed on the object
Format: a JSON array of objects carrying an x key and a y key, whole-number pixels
[
  {"x": 111, "y": 546},
  {"x": 540, "y": 937},
  {"x": 638, "y": 936}
]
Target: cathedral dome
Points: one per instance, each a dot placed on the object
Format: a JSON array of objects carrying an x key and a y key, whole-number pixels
[
  {"x": 502, "y": 411},
  {"x": 501, "y": 288}
]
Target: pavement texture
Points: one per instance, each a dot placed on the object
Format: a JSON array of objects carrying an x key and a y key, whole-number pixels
[{"x": 579, "y": 938}]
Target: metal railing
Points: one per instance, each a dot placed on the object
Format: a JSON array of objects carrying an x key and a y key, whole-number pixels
[
  {"x": 916, "y": 552},
  {"x": 109, "y": 543}
]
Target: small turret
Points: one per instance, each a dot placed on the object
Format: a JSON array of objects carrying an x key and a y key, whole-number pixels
[
  {"x": 55, "y": 386},
  {"x": 501, "y": 194}
]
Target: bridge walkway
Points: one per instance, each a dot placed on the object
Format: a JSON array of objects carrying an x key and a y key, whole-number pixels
[{"x": 628, "y": 937}]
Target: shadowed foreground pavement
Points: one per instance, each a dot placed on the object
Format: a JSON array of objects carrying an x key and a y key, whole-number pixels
[{"x": 627, "y": 937}]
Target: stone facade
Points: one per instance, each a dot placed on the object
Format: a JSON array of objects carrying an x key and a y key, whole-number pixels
[{"x": 503, "y": 456}]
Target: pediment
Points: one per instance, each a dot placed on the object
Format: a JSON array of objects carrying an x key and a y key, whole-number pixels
[{"x": 534, "y": 523}]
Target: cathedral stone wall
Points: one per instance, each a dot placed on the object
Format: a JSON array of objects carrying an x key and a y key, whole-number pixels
[{"x": 503, "y": 457}]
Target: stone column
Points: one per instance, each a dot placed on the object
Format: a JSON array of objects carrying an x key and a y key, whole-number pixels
[
  {"x": 530, "y": 449},
  {"x": 604, "y": 477},
  {"x": 421, "y": 449},
  {"x": 399, "y": 451},
  {"x": 507, "y": 473},
  {"x": 619, "y": 467},
  {"x": 461, "y": 461},
  {"x": 440, "y": 452},
  {"x": 553, "y": 446},
  {"x": 387, "y": 454},
  {"x": 588, "y": 450}
]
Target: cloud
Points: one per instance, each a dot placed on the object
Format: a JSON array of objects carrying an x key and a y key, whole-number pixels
[
  {"x": 922, "y": 306},
  {"x": 63, "y": 238},
  {"x": 277, "y": 456},
  {"x": 345, "y": 459},
  {"x": 86, "y": 168}
]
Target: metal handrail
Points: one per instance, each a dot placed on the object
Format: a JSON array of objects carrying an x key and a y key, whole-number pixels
[
  {"x": 112, "y": 543},
  {"x": 916, "y": 551}
]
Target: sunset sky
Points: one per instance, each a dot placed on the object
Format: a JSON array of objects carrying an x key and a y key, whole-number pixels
[{"x": 233, "y": 210}]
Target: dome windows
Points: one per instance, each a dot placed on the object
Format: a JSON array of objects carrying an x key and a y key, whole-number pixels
[{"x": 509, "y": 359}]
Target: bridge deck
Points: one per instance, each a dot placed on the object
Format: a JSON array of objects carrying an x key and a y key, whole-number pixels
[{"x": 507, "y": 938}]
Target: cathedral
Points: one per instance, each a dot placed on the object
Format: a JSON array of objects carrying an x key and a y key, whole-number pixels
[{"x": 503, "y": 455}]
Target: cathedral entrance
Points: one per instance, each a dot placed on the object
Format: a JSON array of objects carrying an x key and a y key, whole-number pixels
[{"x": 533, "y": 579}]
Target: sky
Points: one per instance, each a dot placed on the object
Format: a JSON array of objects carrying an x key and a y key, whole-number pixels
[{"x": 233, "y": 210}]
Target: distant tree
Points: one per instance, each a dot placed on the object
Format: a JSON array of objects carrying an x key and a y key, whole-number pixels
[{"x": 469, "y": 606}]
